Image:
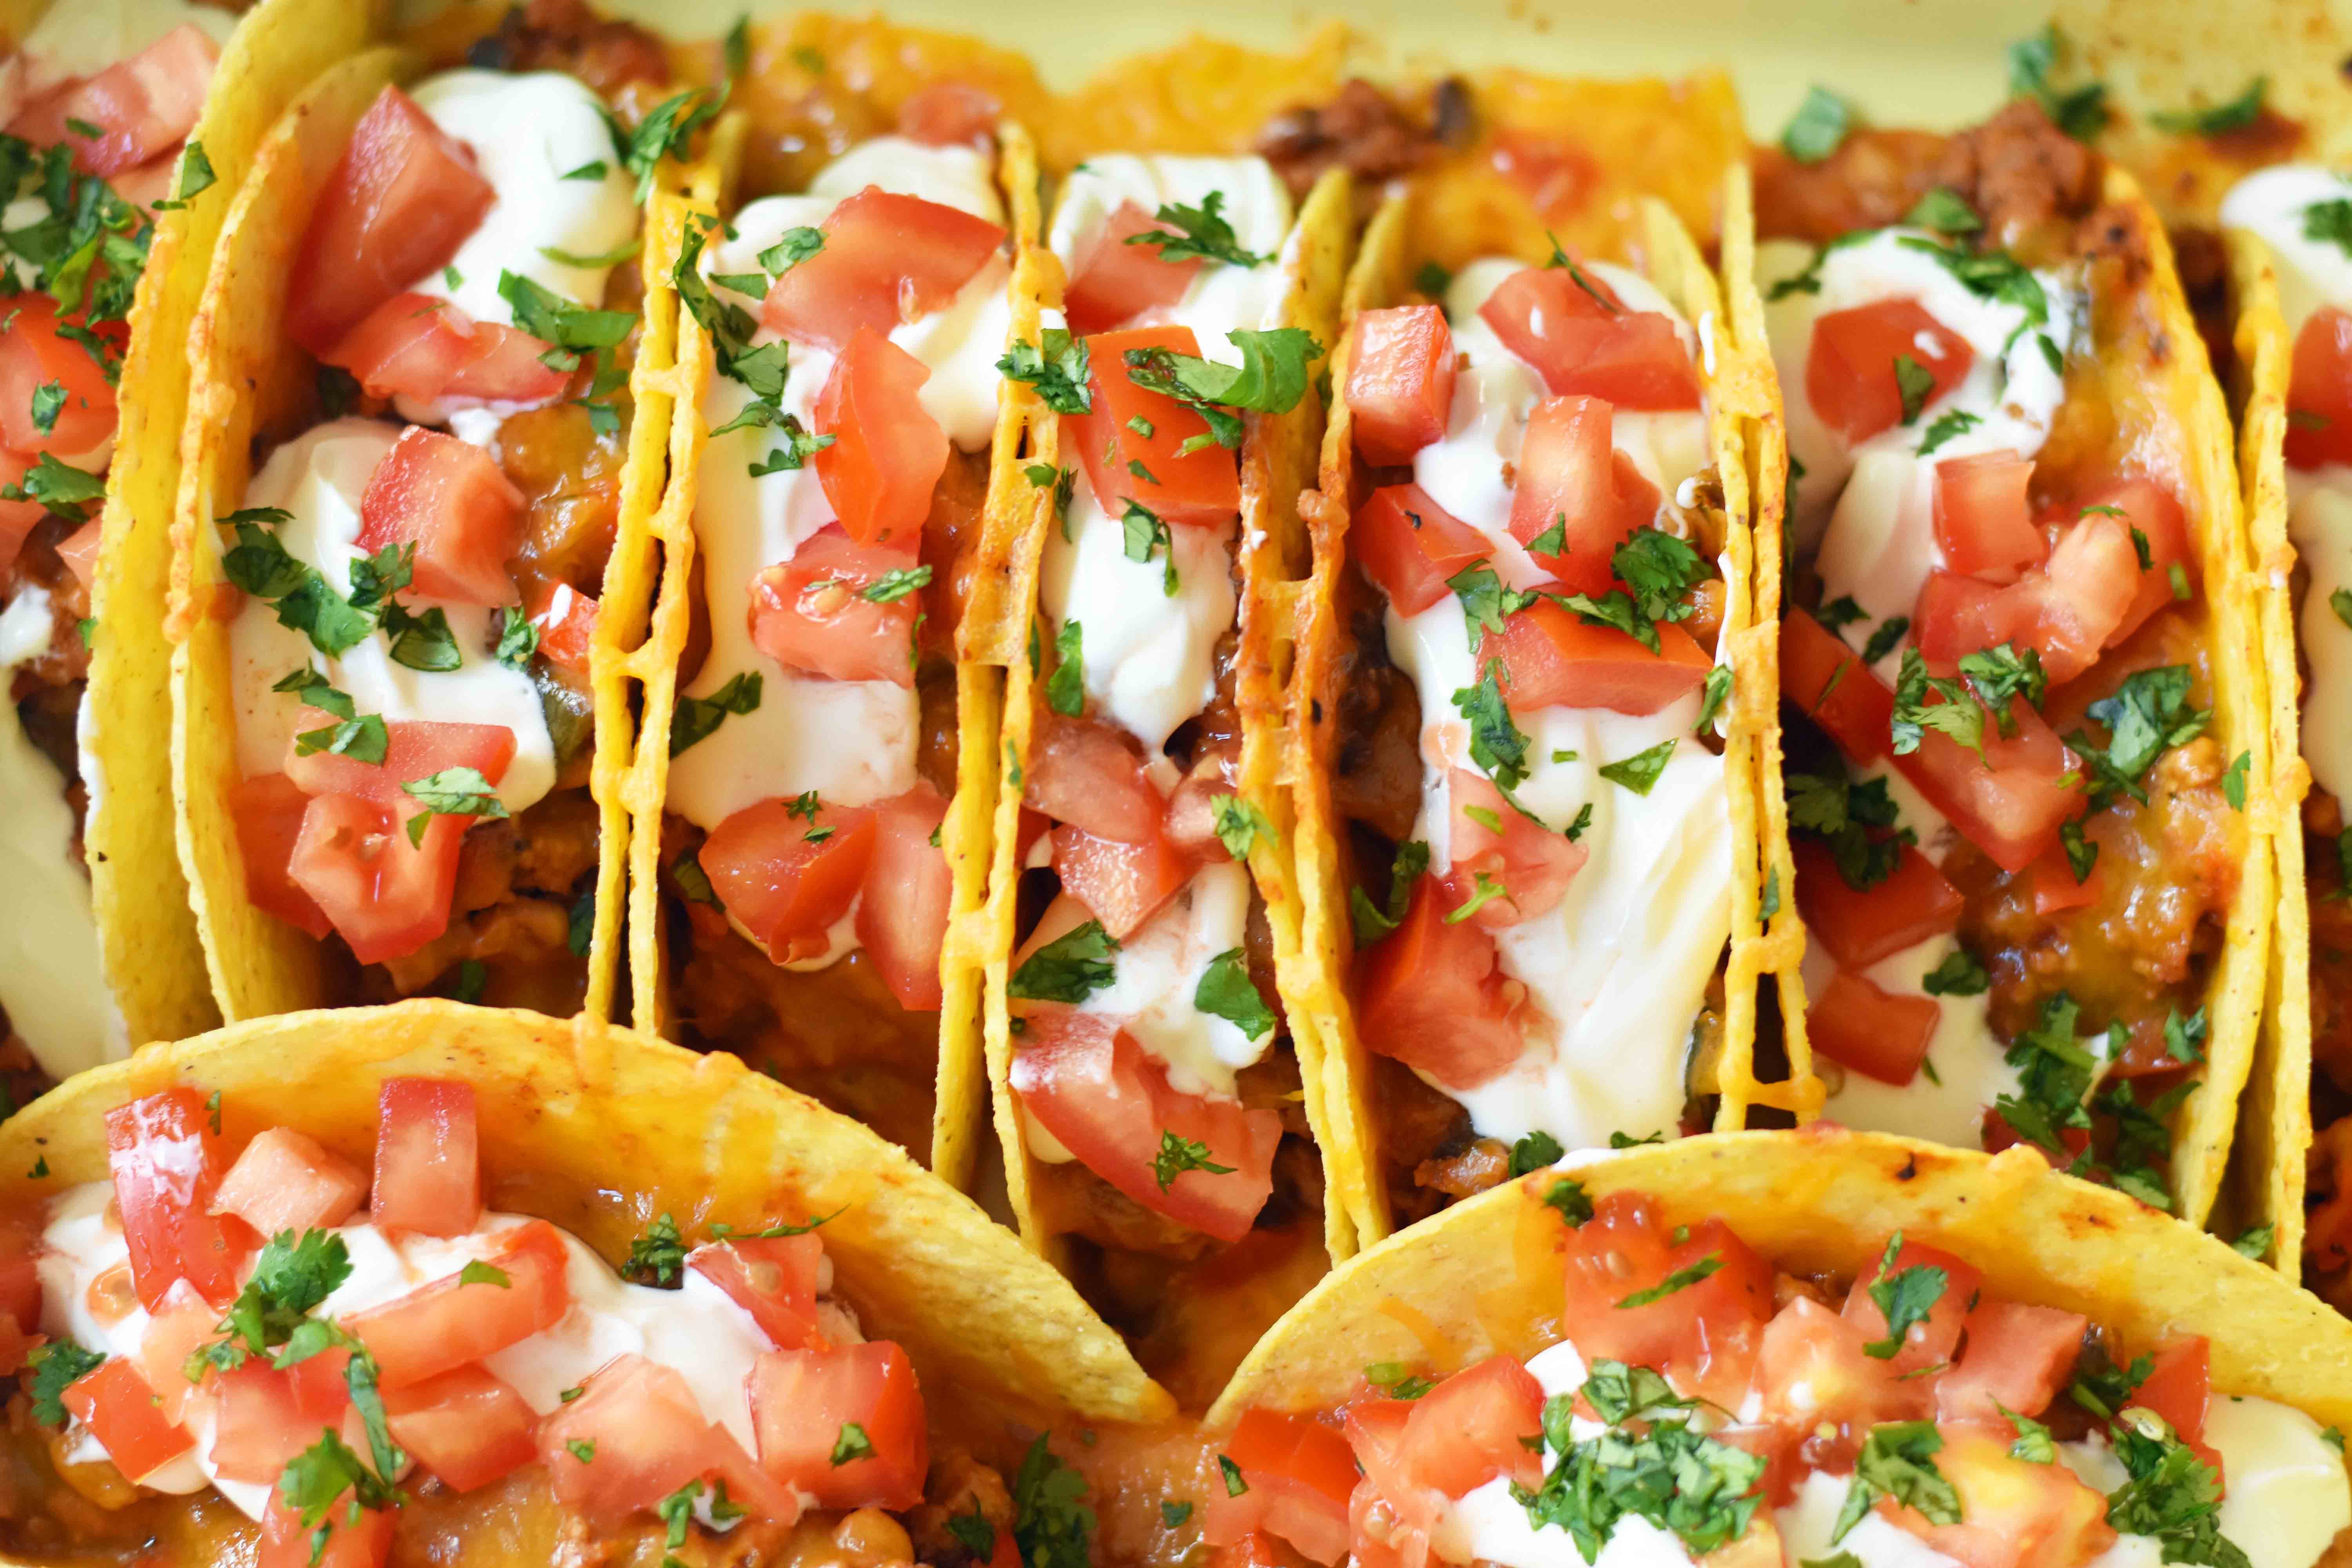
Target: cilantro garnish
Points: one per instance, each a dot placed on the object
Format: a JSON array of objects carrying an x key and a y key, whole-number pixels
[
  {"x": 1496, "y": 743},
  {"x": 2215, "y": 120},
  {"x": 1841, "y": 815},
  {"x": 1055, "y": 366},
  {"x": 1053, "y": 1527},
  {"x": 1271, "y": 379},
  {"x": 1070, "y": 968},
  {"x": 1534, "y": 1151},
  {"x": 1179, "y": 1154},
  {"x": 657, "y": 1255},
  {"x": 1640, "y": 772},
  {"x": 57, "y": 1365},
  {"x": 1371, "y": 923},
  {"x": 452, "y": 791},
  {"x": 1226, "y": 990},
  {"x": 696, "y": 718},
  {"x": 2079, "y": 111},
  {"x": 1202, "y": 233},
  {"x": 1818, "y": 127},
  {"x": 1905, "y": 1298},
  {"x": 1700, "y": 1490},
  {"x": 1898, "y": 1461},
  {"x": 1567, "y": 1198}
]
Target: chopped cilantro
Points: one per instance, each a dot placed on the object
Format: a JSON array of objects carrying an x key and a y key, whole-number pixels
[
  {"x": 1818, "y": 127},
  {"x": 1070, "y": 968}
]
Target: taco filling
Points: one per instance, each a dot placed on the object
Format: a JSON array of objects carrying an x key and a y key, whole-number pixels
[
  {"x": 424, "y": 1370},
  {"x": 1158, "y": 1097},
  {"x": 857, "y": 328},
  {"x": 416, "y": 568},
  {"x": 1703, "y": 1405},
  {"x": 2017, "y": 843},
  {"x": 95, "y": 124},
  {"x": 1528, "y": 727}
]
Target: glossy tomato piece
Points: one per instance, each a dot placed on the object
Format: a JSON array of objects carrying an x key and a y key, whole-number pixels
[
  {"x": 1475, "y": 1426},
  {"x": 1829, "y": 682},
  {"x": 1300, "y": 1474},
  {"x": 802, "y": 1401},
  {"x": 1400, "y": 382},
  {"x": 2015, "y": 1357},
  {"x": 1583, "y": 341},
  {"x": 2070, "y": 609},
  {"x": 1113, "y": 281},
  {"x": 902, "y": 922},
  {"x": 950, "y": 114},
  {"x": 811, "y": 613},
  {"x": 1704, "y": 1336},
  {"x": 1553, "y": 657},
  {"x": 414, "y": 345},
  {"x": 466, "y": 1426},
  {"x": 1087, "y": 773},
  {"x": 1868, "y": 1030},
  {"x": 441, "y": 1326},
  {"x": 122, "y": 1412},
  {"x": 265, "y": 1416},
  {"x": 414, "y": 749},
  {"x": 1533, "y": 865},
  {"x": 167, "y": 1165},
  {"x": 2178, "y": 1385},
  {"x": 385, "y": 896},
  {"x": 1812, "y": 1371},
  {"x": 176, "y": 1328},
  {"x": 888, "y": 452},
  {"x": 1930, "y": 1343},
  {"x": 2319, "y": 390},
  {"x": 1199, "y": 489},
  {"x": 2155, "y": 511},
  {"x": 1122, "y": 885},
  {"x": 401, "y": 200},
  {"x": 1390, "y": 1521},
  {"x": 33, "y": 355},
  {"x": 2011, "y": 802},
  {"x": 1433, "y": 996},
  {"x": 364, "y": 1542},
  {"x": 2013, "y": 1513},
  {"x": 269, "y": 812},
  {"x": 1861, "y": 926},
  {"x": 1983, "y": 525},
  {"x": 566, "y": 620},
  {"x": 79, "y": 550},
  {"x": 1409, "y": 545},
  {"x": 140, "y": 108},
  {"x": 887, "y": 258},
  {"x": 428, "y": 1165},
  {"x": 1089, "y": 1084},
  {"x": 635, "y": 1436},
  {"x": 788, "y": 877},
  {"x": 773, "y": 1277},
  {"x": 1850, "y": 370},
  {"x": 450, "y": 499},
  {"x": 285, "y": 1180},
  {"x": 1956, "y": 616},
  {"x": 2054, "y": 887},
  {"x": 18, "y": 517},
  {"x": 1570, "y": 479}
]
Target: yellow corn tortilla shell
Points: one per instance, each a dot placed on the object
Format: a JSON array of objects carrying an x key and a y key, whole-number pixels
[
  {"x": 153, "y": 962},
  {"x": 1487, "y": 1275},
  {"x": 1454, "y": 218},
  {"x": 249, "y": 380}
]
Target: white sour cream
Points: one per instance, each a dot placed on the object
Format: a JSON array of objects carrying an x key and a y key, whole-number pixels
[
  {"x": 1966, "y": 1065},
  {"x": 1159, "y": 969},
  {"x": 320, "y": 477}
]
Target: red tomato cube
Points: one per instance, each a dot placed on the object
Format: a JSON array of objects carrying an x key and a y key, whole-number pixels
[
  {"x": 449, "y": 498},
  {"x": 2011, "y": 802},
  {"x": 176, "y": 1327},
  {"x": 566, "y": 620},
  {"x": 1533, "y": 865},
  {"x": 263, "y": 1416},
  {"x": 789, "y": 877},
  {"x": 122, "y": 1412},
  {"x": 1850, "y": 370},
  {"x": 1122, "y": 885},
  {"x": 635, "y": 1436},
  {"x": 1982, "y": 522},
  {"x": 1812, "y": 1372},
  {"x": 1087, "y": 773},
  {"x": 34, "y": 354},
  {"x": 2016, "y": 1357},
  {"x": 2013, "y": 1513},
  {"x": 902, "y": 922},
  {"x": 347, "y": 1542},
  {"x": 268, "y": 811},
  {"x": 771, "y": 1277},
  {"x": 1924, "y": 1344},
  {"x": 465, "y": 1426},
  {"x": 1861, "y": 926},
  {"x": 887, "y": 258},
  {"x": 1301, "y": 1476},
  {"x": 950, "y": 114},
  {"x": 811, "y": 613},
  {"x": 2319, "y": 390},
  {"x": 1400, "y": 387},
  {"x": 1114, "y": 280},
  {"x": 440, "y": 1327},
  {"x": 1409, "y": 545},
  {"x": 285, "y": 1180},
  {"x": 1868, "y": 1031},
  {"x": 1553, "y": 657},
  {"x": 1199, "y": 489},
  {"x": 415, "y": 749},
  {"x": 1705, "y": 1336},
  {"x": 1572, "y": 479},
  {"x": 166, "y": 1162},
  {"x": 139, "y": 107},
  {"x": 2155, "y": 513},
  {"x": 385, "y": 896},
  {"x": 428, "y": 1165},
  {"x": 414, "y": 345},
  {"x": 803, "y": 1403},
  {"x": 888, "y": 452},
  {"x": 1433, "y": 995},
  {"x": 1580, "y": 337},
  {"x": 1829, "y": 681}
]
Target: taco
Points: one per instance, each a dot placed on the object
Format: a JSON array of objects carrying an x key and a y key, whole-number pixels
[
  {"x": 409, "y": 453},
  {"x": 1795, "y": 1347},
  {"x": 2027, "y": 772},
  {"x": 126, "y": 132},
  {"x": 438, "y": 1282},
  {"x": 1526, "y": 790}
]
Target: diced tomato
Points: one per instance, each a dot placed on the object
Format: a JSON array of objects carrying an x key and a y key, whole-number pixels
[
  {"x": 176, "y": 1327},
  {"x": 1087, "y": 773},
  {"x": 1811, "y": 1370},
  {"x": 2155, "y": 513},
  {"x": 466, "y": 1426},
  {"x": 166, "y": 1162},
  {"x": 1191, "y": 825},
  {"x": 1829, "y": 681},
  {"x": 122, "y": 1414},
  {"x": 2070, "y": 609},
  {"x": 2011, "y": 802},
  {"x": 1571, "y": 327},
  {"x": 78, "y": 551},
  {"x": 787, "y": 877},
  {"x": 903, "y": 920},
  {"x": 414, "y": 749},
  {"x": 1388, "y": 1526},
  {"x": 140, "y": 107},
  {"x": 635, "y": 1436},
  {"x": 1474, "y": 1427},
  {"x": 20, "y": 1280},
  {"x": 812, "y": 614},
  {"x": 1122, "y": 885},
  {"x": 401, "y": 200},
  {"x": 1433, "y": 996},
  {"x": 33, "y": 355},
  {"x": 269, "y": 812},
  {"x": 285, "y": 1180},
  {"x": 950, "y": 114},
  {"x": 2017, "y": 1357},
  {"x": 1409, "y": 545},
  {"x": 263, "y": 1415},
  {"x": 2178, "y": 1386},
  {"x": 888, "y": 452},
  {"x": 385, "y": 896},
  {"x": 1850, "y": 371},
  {"x": 1401, "y": 382},
  {"x": 1869, "y": 1031},
  {"x": 449, "y": 498},
  {"x": 2013, "y": 1513},
  {"x": 1200, "y": 488},
  {"x": 1982, "y": 522},
  {"x": 2054, "y": 886},
  {"x": 18, "y": 517},
  {"x": 1533, "y": 865},
  {"x": 803, "y": 1399},
  {"x": 1114, "y": 280},
  {"x": 1089, "y": 1084},
  {"x": 1704, "y": 1336},
  {"x": 414, "y": 345},
  {"x": 887, "y": 258},
  {"x": 1572, "y": 480},
  {"x": 566, "y": 620},
  {"x": 1553, "y": 657},
  {"x": 1299, "y": 1474},
  {"x": 428, "y": 1165},
  {"x": 1928, "y": 1343},
  {"x": 773, "y": 1277},
  {"x": 1956, "y": 616},
  {"x": 439, "y": 1327},
  {"x": 1862, "y": 926},
  {"x": 2319, "y": 390},
  {"x": 361, "y": 1542}
]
